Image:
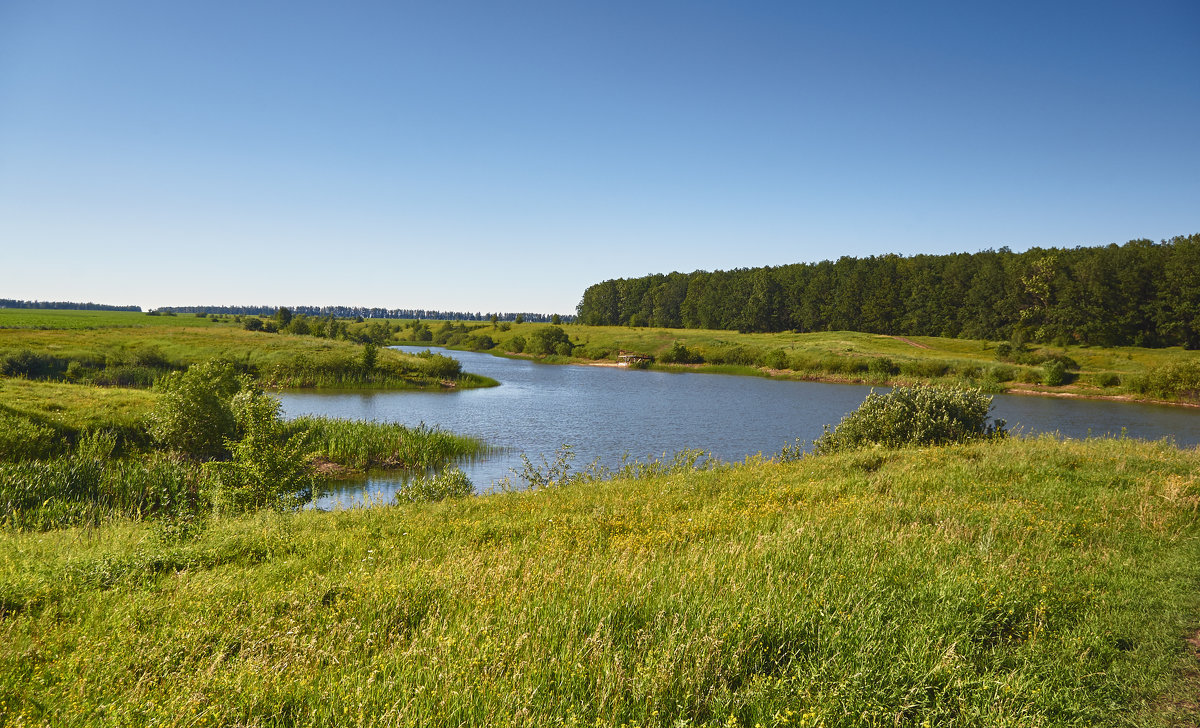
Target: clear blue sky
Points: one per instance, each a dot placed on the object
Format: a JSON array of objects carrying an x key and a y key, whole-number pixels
[{"x": 503, "y": 156}]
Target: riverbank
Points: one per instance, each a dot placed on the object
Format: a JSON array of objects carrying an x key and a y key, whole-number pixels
[
  {"x": 1026, "y": 582},
  {"x": 1164, "y": 376},
  {"x": 127, "y": 349}
]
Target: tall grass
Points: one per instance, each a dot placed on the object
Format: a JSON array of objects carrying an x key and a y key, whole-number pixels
[
  {"x": 84, "y": 488},
  {"x": 363, "y": 445},
  {"x": 1018, "y": 583}
]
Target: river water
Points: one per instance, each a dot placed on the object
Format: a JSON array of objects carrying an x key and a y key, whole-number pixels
[{"x": 608, "y": 413}]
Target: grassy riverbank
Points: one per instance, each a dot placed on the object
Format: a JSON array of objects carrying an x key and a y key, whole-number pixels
[
  {"x": 1025, "y": 582},
  {"x": 1168, "y": 375},
  {"x": 133, "y": 349}
]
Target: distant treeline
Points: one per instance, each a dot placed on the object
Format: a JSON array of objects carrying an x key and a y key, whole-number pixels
[
  {"x": 1141, "y": 293},
  {"x": 89, "y": 306},
  {"x": 366, "y": 313}
]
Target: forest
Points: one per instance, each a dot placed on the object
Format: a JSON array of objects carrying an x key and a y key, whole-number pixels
[{"x": 1141, "y": 293}]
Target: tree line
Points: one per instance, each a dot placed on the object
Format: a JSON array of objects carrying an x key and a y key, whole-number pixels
[
  {"x": 356, "y": 312},
  {"x": 1141, "y": 293},
  {"x": 65, "y": 305}
]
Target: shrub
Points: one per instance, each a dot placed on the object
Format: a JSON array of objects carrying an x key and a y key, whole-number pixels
[
  {"x": 1054, "y": 373},
  {"x": 450, "y": 483},
  {"x": 267, "y": 469},
  {"x": 517, "y": 344},
  {"x": 548, "y": 340},
  {"x": 439, "y": 366},
  {"x": 1179, "y": 380},
  {"x": 881, "y": 366},
  {"x": 480, "y": 342},
  {"x": 31, "y": 365},
  {"x": 925, "y": 368},
  {"x": 919, "y": 415},
  {"x": 194, "y": 416},
  {"x": 680, "y": 354},
  {"x": 775, "y": 359},
  {"x": 1108, "y": 379}
]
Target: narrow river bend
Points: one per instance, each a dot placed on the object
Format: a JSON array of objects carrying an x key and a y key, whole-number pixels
[{"x": 608, "y": 413}]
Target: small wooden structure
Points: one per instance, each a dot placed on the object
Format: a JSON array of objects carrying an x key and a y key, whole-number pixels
[{"x": 632, "y": 358}]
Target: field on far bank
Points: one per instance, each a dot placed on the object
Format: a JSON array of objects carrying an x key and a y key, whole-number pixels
[
  {"x": 133, "y": 349},
  {"x": 61, "y": 318},
  {"x": 1018, "y": 583},
  {"x": 847, "y": 356}
]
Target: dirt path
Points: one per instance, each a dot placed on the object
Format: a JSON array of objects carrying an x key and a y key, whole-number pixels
[{"x": 910, "y": 342}]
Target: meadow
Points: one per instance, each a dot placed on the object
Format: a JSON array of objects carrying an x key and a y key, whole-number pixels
[
  {"x": 1164, "y": 374},
  {"x": 44, "y": 318},
  {"x": 1002, "y": 583},
  {"x": 134, "y": 349}
]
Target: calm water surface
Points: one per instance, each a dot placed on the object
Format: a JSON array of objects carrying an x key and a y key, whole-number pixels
[{"x": 608, "y": 413}]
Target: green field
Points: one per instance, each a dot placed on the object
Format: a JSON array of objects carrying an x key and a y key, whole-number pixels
[
  {"x": 1019, "y": 583},
  {"x": 846, "y": 356},
  {"x": 41, "y": 318},
  {"x": 141, "y": 353}
]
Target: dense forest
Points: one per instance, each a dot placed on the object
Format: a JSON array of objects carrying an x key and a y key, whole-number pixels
[{"x": 1141, "y": 293}]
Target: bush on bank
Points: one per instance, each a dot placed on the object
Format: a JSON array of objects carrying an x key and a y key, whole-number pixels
[{"x": 917, "y": 415}]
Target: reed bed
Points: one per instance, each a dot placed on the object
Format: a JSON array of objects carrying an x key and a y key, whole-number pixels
[
  {"x": 83, "y": 489},
  {"x": 364, "y": 445}
]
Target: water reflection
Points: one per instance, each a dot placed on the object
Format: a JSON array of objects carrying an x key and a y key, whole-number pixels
[{"x": 609, "y": 413}]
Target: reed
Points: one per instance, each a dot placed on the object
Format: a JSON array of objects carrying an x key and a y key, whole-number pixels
[{"x": 364, "y": 445}]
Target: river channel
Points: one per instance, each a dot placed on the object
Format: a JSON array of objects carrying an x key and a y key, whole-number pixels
[{"x": 610, "y": 413}]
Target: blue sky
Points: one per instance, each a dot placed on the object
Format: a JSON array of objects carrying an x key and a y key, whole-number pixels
[{"x": 493, "y": 156}]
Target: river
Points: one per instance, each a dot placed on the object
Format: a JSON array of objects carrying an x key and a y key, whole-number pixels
[{"x": 608, "y": 413}]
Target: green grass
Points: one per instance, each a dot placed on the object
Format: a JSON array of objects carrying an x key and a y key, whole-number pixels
[
  {"x": 28, "y": 318},
  {"x": 363, "y": 445},
  {"x": 281, "y": 360},
  {"x": 76, "y": 407},
  {"x": 1021, "y": 583},
  {"x": 847, "y": 356}
]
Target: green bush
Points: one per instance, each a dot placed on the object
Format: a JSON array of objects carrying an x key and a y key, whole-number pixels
[
  {"x": 680, "y": 354},
  {"x": 517, "y": 344},
  {"x": 549, "y": 340},
  {"x": 918, "y": 415},
  {"x": 1054, "y": 373},
  {"x": 1108, "y": 379},
  {"x": 882, "y": 366},
  {"x": 925, "y": 368},
  {"x": 268, "y": 469},
  {"x": 775, "y": 359},
  {"x": 450, "y": 483},
  {"x": 193, "y": 416},
  {"x": 439, "y": 366},
  {"x": 1180, "y": 380}
]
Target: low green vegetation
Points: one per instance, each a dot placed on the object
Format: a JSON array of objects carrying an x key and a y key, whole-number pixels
[
  {"x": 211, "y": 441},
  {"x": 71, "y": 319},
  {"x": 362, "y": 446},
  {"x": 1015, "y": 582},
  {"x": 908, "y": 416},
  {"x": 1161, "y": 374},
  {"x": 117, "y": 349}
]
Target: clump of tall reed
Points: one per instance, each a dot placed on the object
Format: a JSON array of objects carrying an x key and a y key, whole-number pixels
[
  {"x": 89, "y": 487},
  {"x": 362, "y": 445}
]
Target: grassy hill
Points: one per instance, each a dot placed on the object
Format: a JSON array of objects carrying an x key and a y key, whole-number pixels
[{"x": 1013, "y": 583}]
